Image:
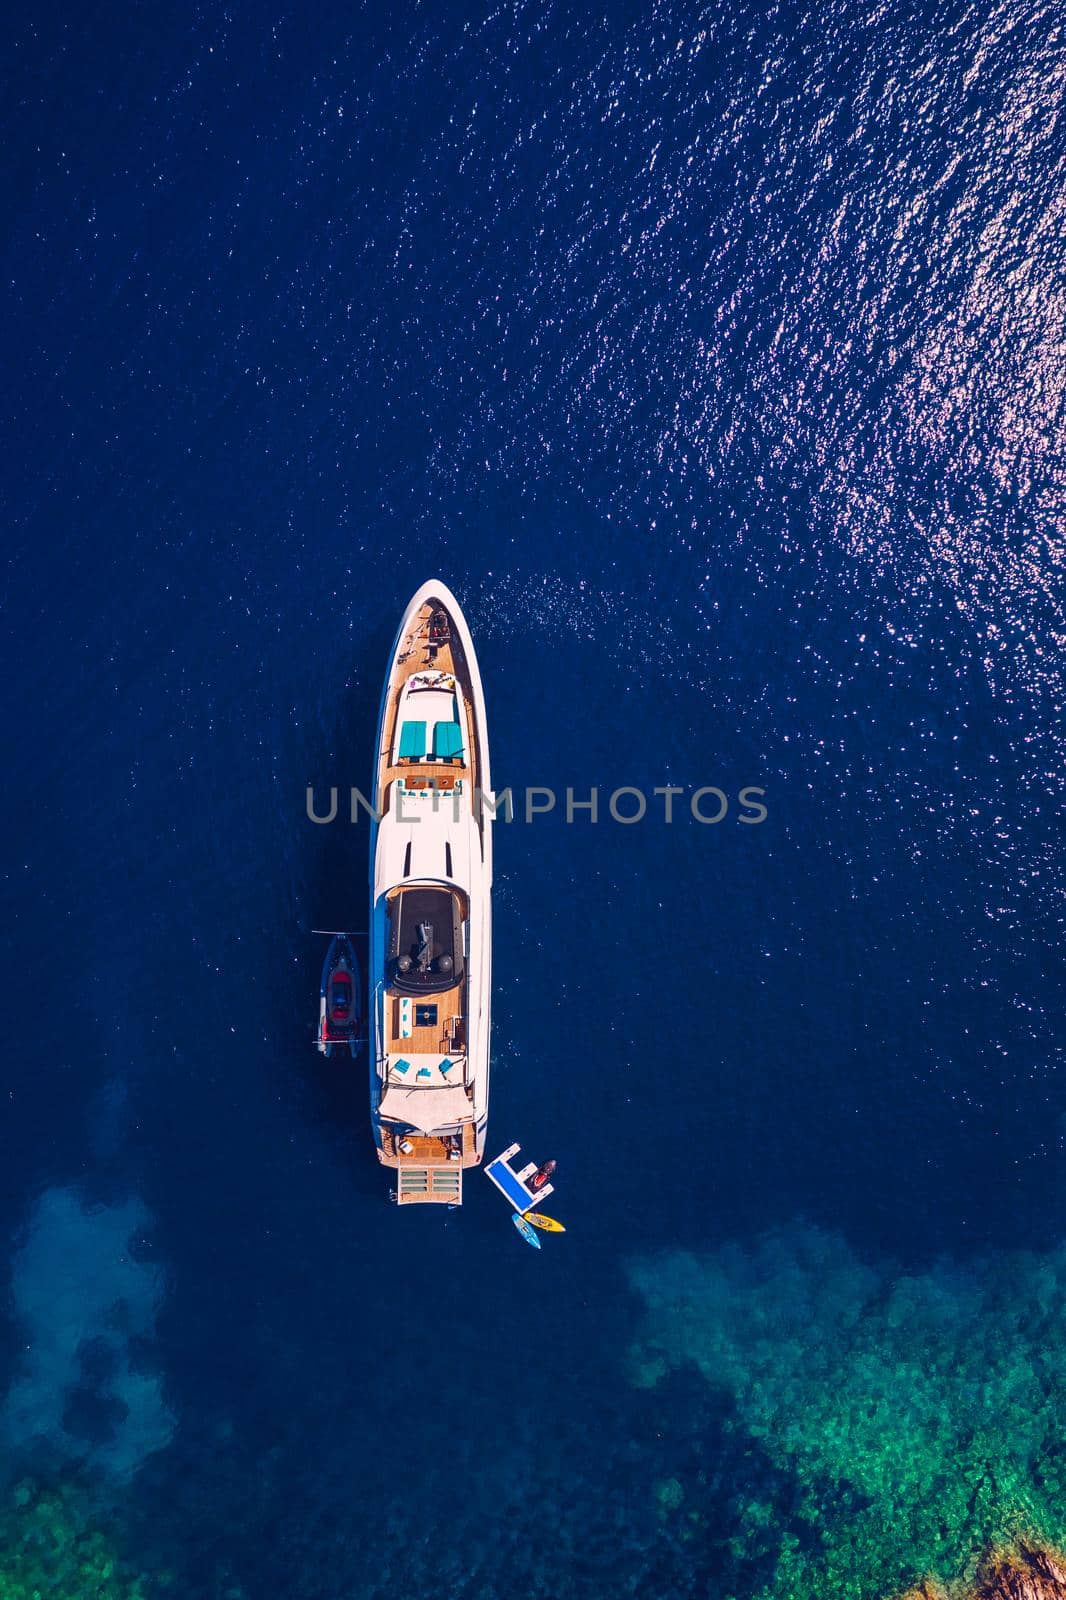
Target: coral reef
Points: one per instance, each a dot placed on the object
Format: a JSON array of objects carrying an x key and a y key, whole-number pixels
[
  {"x": 86, "y": 1307},
  {"x": 920, "y": 1418}
]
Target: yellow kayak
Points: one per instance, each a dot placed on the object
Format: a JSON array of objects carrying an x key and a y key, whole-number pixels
[{"x": 539, "y": 1220}]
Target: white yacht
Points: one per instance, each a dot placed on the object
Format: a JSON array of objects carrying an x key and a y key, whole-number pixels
[{"x": 430, "y": 907}]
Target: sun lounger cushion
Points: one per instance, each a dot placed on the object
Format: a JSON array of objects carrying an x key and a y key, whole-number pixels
[
  {"x": 401, "y": 1067},
  {"x": 447, "y": 740},
  {"x": 412, "y": 741},
  {"x": 446, "y": 1066}
]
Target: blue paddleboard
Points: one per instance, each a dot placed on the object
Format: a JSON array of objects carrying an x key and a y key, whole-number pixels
[{"x": 526, "y": 1229}]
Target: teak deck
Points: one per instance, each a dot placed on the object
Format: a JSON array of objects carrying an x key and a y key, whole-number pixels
[
  {"x": 418, "y": 655},
  {"x": 446, "y": 1035},
  {"x": 428, "y": 1150}
]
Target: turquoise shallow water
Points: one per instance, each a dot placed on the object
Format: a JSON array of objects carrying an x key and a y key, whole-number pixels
[{"x": 716, "y": 362}]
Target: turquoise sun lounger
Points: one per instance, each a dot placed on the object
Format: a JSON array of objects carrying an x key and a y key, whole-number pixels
[
  {"x": 412, "y": 741},
  {"x": 447, "y": 740}
]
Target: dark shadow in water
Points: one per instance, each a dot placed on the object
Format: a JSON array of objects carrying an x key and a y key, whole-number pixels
[
  {"x": 707, "y": 1478},
  {"x": 338, "y": 891},
  {"x": 672, "y": 1476}
]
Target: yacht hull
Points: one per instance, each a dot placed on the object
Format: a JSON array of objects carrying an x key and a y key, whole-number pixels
[{"x": 431, "y": 906}]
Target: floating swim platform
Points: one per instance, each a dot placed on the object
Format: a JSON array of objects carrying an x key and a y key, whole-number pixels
[{"x": 513, "y": 1185}]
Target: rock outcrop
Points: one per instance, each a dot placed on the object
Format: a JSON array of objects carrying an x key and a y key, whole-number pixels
[
  {"x": 1026, "y": 1572},
  {"x": 1022, "y": 1574}
]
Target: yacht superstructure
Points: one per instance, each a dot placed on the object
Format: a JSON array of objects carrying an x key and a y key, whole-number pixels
[{"x": 430, "y": 907}]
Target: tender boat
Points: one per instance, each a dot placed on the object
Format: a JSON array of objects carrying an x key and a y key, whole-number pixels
[
  {"x": 338, "y": 1004},
  {"x": 430, "y": 907}
]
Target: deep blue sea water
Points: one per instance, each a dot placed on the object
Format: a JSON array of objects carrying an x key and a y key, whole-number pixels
[{"x": 715, "y": 357}]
